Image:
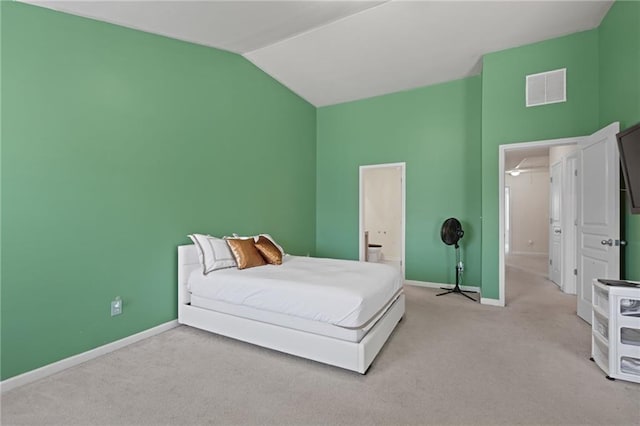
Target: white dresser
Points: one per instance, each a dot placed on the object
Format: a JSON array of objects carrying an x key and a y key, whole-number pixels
[{"x": 615, "y": 331}]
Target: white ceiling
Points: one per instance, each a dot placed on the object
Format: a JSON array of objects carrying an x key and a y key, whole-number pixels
[
  {"x": 529, "y": 158},
  {"x": 330, "y": 52}
]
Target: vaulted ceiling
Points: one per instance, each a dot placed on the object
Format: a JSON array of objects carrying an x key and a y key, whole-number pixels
[{"x": 330, "y": 52}]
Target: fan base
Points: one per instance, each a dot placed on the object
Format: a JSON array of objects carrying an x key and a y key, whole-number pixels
[{"x": 457, "y": 289}]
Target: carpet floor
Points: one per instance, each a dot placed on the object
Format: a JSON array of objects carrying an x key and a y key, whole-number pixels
[{"x": 450, "y": 361}]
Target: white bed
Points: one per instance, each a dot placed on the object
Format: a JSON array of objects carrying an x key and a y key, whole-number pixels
[{"x": 340, "y": 325}]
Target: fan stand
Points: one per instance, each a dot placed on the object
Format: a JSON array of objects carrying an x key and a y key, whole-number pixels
[{"x": 457, "y": 289}]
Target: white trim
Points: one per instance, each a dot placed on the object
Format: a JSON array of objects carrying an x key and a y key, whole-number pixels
[
  {"x": 483, "y": 300},
  {"x": 72, "y": 361},
  {"x": 502, "y": 149},
  {"x": 491, "y": 302},
  {"x": 361, "y": 248},
  {"x": 428, "y": 284},
  {"x": 508, "y": 238}
]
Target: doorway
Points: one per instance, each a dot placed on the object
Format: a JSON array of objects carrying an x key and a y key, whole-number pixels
[
  {"x": 382, "y": 214},
  {"x": 527, "y": 209},
  {"x": 597, "y": 209},
  {"x": 526, "y": 169}
]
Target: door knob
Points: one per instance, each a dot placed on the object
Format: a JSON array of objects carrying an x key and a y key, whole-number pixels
[
  {"x": 621, "y": 243},
  {"x": 557, "y": 231},
  {"x": 608, "y": 242}
]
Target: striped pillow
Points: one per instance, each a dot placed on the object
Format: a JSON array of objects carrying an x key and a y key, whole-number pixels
[{"x": 213, "y": 253}]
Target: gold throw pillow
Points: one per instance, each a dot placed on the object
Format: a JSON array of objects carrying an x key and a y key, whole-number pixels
[
  {"x": 269, "y": 251},
  {"x": 245, "y": 252}
]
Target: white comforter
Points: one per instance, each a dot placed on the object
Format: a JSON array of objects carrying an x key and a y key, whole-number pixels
[{"x": 340, "y": 292}]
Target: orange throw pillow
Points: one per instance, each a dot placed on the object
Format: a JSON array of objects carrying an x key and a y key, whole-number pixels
[
  {"x": 245, "y": 252},
  {"x": 269, "y": 251}
]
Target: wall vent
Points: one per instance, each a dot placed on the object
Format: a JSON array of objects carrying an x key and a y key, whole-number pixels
[{"x": 546, "y": 88}]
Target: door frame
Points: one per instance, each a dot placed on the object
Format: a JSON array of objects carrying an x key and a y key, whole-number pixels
[
  {"x": 502, "y": 150},
  {"x": 507, "y": 217},
  {"x": 403, "y": 186}
]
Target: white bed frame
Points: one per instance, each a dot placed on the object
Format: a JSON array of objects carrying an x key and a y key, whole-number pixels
[{"x": 340, "y": 353}]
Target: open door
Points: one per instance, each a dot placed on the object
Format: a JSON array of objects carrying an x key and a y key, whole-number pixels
[
  {"x": 599, "y": 213},
  {"x": 570, "y": 229},
  {"x": 555, "y": 224}
]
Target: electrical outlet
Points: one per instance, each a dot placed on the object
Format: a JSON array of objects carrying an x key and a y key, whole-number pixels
[{"x": 116, "y": 306}]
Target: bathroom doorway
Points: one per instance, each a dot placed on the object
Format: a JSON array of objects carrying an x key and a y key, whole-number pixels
[{"x": 382, "y": 214}]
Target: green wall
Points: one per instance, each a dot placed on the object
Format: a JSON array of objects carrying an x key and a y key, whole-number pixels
[
  {"x": 115, "y": 145},
  {"x": 436, "y": 131},
  {"x": 505, "y": 119},
  {"x": 619, "y": 38}
]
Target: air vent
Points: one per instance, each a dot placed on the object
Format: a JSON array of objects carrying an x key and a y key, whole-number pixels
[{"x": 546, "y": 87}]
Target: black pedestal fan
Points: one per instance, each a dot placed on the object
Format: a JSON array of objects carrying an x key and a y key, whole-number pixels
[{"x": 451, "y": 233}]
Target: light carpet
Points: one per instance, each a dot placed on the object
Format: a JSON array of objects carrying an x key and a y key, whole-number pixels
[{"x": 450, "y": 361}]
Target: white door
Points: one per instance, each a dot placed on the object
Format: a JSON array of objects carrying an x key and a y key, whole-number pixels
[
  {"x": 598, "y": 213},
  {"x": 570, "y": 228},
  {"x": 555, "y": 225}
]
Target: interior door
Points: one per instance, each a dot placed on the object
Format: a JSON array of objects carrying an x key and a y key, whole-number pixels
[
  {"x": 570, "y": 229},
  {"x": 598, "y": 213},
  {"x": 555, "y": 224}
]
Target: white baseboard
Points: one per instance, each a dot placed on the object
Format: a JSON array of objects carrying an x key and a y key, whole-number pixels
[
  {"x": 63, "y": 364},
  {"x": 483, "y": 300},
  {"x": 440, "y": 285},
  {"x": 491, "y": 302}
]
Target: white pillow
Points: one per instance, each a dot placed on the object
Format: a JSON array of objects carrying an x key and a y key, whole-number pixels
[{"x": 214, "y": 253}]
